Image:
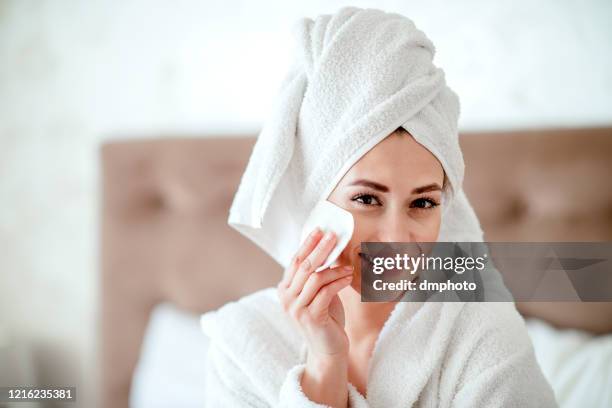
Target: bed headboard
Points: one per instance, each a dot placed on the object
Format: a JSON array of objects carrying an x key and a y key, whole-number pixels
[{"x": 164, "y": 235}]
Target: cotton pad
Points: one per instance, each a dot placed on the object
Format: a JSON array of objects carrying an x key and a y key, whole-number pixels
[{"x": 328, "y": 216}]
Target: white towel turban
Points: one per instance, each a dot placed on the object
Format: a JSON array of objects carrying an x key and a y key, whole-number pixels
[{"x": 359, "y": 75}]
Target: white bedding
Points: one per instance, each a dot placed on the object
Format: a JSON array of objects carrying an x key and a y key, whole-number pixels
[
  {"x": 577, "y": 365},
  {"x": 170, "y": 371}
]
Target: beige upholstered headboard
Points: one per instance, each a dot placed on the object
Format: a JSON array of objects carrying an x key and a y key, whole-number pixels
[{"x": 165, "y": 238}]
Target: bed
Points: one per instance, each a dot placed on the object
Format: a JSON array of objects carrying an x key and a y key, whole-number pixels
[{"x": 166, "y": 250}]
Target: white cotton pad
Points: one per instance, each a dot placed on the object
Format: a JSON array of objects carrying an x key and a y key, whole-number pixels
[{"x": 328, "y": 216}]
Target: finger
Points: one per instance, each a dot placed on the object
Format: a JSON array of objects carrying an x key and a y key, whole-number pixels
[
  {"x": 307, "y": 246},
  {"x": 318, "y": 280},
  {"x": 321, "y": 301},
  {"x": 312, "y": 262}
]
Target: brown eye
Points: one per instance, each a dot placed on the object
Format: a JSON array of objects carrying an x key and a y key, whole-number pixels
[
  {"x": 424, "y": 203},
  {"x": 366, "y": 199}
]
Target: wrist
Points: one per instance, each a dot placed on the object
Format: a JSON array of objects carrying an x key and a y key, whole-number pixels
[
  {"x": 326, "y": 361},
  {"x": 327, "y": 369},
  {"x": 325, "y": 379}
]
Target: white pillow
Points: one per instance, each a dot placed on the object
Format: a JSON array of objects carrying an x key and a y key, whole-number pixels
[
  {"x": 577, "y": 364},
  {"x": 170, "y": 371}
]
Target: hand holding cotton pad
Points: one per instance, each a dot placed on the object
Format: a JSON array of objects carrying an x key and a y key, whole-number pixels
[{"x": 328, "y": 216}]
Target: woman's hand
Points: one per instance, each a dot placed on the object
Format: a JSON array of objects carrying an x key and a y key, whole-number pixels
[{"x": 311, "y": 300}]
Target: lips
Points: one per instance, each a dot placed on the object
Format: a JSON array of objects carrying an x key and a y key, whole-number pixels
[
  {"x": 370, "y": 259},
  {"x": 366, "y": 257},
  {"x": 391, "y": 251}
]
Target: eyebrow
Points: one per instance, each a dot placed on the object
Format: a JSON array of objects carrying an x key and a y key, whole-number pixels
[{"x": 385, "y": 189}]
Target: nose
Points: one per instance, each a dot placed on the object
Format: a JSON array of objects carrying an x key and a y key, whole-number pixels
[{"x": 396, "y": 226}]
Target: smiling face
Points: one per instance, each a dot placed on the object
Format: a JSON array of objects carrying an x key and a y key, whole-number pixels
[{"x": 394, "y": 194}]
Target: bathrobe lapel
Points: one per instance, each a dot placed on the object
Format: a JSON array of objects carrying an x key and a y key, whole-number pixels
[{"x": 410, "y": 347}]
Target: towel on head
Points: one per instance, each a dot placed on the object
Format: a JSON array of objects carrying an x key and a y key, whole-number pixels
[{"x": 359, "y": 75}]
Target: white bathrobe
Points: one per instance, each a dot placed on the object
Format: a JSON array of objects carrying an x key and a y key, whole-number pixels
[{"x": 428, "y": 354}]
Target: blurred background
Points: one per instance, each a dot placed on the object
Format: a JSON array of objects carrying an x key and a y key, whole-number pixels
[{"x": 76, "y": 74}]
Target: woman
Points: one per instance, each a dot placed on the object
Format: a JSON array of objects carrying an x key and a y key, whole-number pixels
[
  {"x": 367, "y": 122},
  {"x": 386, "y": 207}
]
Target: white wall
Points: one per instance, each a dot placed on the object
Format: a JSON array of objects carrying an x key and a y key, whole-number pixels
[{"x": 76, "y": 73}]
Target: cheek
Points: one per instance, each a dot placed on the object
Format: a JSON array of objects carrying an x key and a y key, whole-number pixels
[
  {"x": 430, "y": 228},
  {"x": 350, "y": 254}
]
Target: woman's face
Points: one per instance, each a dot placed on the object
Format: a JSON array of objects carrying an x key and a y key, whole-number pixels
[{"x": 394, "y": 194}]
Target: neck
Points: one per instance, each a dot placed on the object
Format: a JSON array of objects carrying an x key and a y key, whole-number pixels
[{"x": 363, "y": 320}]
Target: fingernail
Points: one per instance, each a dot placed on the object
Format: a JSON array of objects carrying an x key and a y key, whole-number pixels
[
  {"x": 315, "y": 231},
  {"x": 348, "y": 268}
]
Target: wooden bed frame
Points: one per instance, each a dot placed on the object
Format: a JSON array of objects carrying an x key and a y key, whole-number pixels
[{"x": 164, "y": 235}]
